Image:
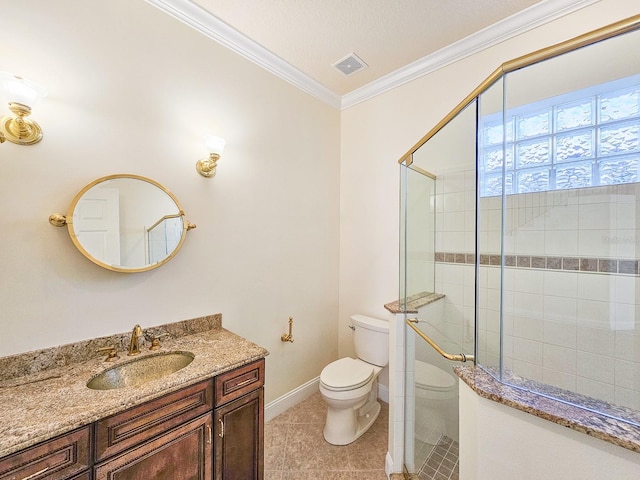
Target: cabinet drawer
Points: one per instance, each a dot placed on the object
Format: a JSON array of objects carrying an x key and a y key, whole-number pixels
[
  {"x": 237, "y": 382},
  {"x": 55, "y": 459},
  {"x": 123, "y": 430}
]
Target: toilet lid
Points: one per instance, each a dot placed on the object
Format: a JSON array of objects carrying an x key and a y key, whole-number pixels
[
  {"x": 432, "y": 378},
  {"x": 346, "y": 374}
]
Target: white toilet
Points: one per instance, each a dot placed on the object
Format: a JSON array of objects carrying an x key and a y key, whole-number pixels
[
  {"x": 350, "y": 386},
  {"x": 436, "y": 403}
]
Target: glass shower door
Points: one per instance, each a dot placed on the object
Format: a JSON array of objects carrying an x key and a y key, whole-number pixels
[
  {"x": 438, "y": 235},
  {"x": 417, "y": 277}
]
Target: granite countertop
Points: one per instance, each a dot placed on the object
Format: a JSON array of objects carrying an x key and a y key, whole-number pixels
[
  {"x": 41, "y": 405},
  {"x": 588, "y": 421},
  {"x": 412, "y": 303}
]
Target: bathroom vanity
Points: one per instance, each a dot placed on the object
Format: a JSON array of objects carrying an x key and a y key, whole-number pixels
[{"x": 204, "y": 421}]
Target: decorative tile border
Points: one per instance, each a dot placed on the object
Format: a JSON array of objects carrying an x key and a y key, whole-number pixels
[{"x": 623, "y": 266}]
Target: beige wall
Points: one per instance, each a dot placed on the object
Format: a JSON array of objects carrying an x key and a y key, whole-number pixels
[{"x": 132, "y": 90}]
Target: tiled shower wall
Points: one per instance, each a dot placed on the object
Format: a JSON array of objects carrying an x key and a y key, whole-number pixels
[
  {"x": 455, "y": 233},
  {"x": 571, "y": 284}
]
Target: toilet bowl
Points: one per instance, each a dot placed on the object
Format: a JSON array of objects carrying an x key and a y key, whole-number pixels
[
  {"x": 436, "y": 393},
  {"x": 349, "y": 386},
  {"x": 434, "y": 383}
]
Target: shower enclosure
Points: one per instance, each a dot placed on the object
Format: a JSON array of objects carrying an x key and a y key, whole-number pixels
[{"x": 520, "y": 221}]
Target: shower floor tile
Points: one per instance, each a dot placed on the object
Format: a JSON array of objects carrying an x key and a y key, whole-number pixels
[{"x": 441, "y": 461}]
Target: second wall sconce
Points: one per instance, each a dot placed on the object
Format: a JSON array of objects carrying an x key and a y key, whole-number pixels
[
  {"x": 207, "y": 166},
  {"x": 22, "y": 94}
]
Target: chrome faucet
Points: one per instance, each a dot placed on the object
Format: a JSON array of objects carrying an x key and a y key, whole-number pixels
[{"x": 134, "y": 345}]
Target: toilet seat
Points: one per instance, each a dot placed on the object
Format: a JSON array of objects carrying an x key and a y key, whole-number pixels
[
  {"x": 430, "y": 377},
  {"x": 346, "y": 374}
]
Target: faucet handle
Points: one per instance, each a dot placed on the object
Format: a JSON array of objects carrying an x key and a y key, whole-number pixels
[
  {"x": 112, "y": 355},
  {"x": 155, "y": 343}
]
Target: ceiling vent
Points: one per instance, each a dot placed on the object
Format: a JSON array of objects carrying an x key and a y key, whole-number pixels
[{"x": 350, "y": 64}]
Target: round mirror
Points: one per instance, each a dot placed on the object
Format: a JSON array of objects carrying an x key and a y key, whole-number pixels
[{"x": 125, "y": 223}]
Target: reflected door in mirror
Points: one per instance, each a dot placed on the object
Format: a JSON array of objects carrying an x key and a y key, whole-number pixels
[{"x": 97, "y": 224}]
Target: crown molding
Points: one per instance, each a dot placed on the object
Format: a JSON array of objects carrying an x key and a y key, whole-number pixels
[
  {"x": 214, "y": 28},
  {"x": 517, "y": 24}
]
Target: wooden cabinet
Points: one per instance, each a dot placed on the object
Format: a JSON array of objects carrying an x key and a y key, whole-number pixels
[
  {"x": 213, "y": 429},
  {"x": 61, "y": 458},
  {"x": 239, "y": 424},
  {"x": 183, "y": 453}
]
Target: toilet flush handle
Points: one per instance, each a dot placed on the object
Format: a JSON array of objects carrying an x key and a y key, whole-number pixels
[{"x": 352, "y": 327}]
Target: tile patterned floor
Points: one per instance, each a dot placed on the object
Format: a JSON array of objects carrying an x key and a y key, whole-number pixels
[
  {"x": 441, "y": 461},
  {"x": 296, "y": 449}
]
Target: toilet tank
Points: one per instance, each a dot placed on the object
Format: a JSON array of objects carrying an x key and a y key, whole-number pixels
[{"x": 371, "y": 339}]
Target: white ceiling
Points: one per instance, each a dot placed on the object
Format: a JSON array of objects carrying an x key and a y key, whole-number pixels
[{"x": 301, "y": 40}]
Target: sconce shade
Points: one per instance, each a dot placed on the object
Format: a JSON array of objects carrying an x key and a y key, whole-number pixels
[
  {"x": 21, "y": 94},
  {"x": 16, "y": 89},
  {"x": 207, "y": 166},
  {"x": 215, "y": 144}
]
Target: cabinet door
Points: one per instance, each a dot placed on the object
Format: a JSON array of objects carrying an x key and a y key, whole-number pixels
[
  {"x": 183, "y": 453},
  {"x": 57, "y": 459},
  {"x": 238, "y": 444}
]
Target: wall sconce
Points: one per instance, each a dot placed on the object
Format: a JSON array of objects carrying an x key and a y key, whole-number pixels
[
  {"x": 22, "y": 94},
  {"x": 207, "y": 166}
]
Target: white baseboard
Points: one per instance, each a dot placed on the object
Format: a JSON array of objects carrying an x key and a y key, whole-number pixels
[
  {"x": 288, "y": 400},
  {"x": 297, "y": 395},
  {"x": 383, "y": 393}
]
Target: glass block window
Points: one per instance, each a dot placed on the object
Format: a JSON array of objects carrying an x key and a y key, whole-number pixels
[{"x": 587, "y": 138}]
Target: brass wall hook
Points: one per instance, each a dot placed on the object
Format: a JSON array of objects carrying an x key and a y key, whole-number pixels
[{"x": 288, "y": 337}]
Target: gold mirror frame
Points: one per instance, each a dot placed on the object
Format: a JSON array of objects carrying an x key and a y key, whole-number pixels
[
  {"x": 60, "y": 220},
  {"x": 613, "y": 30}
]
